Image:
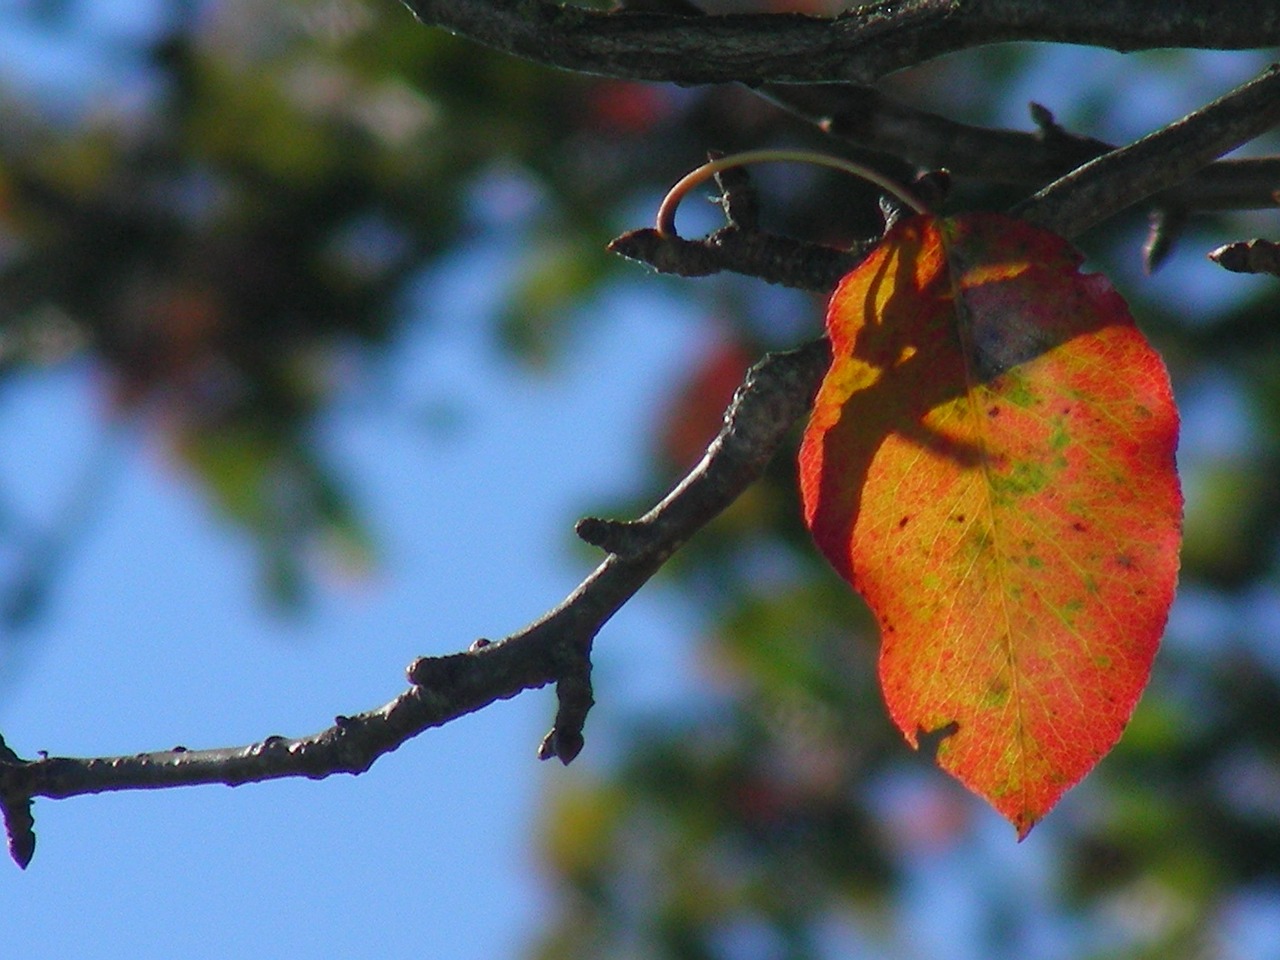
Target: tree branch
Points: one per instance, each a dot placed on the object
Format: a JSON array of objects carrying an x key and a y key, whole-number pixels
[
  {"x": 1090, "y": 194},
  {"x": 868, "y": 119},
  {"x": 741, "y": 247},
  {"x": 768, "y": 256},
  {"x": 873, "y": 121},
  {"x": 858, "y": 46},
  {"x": 1103, "y": 187},
  {"x": 1249, "y": 256},
  {"x": 556, "y": 648}
]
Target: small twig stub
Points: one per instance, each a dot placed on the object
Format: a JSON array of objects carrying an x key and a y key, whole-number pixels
[{"x": 1249, "y": 256}]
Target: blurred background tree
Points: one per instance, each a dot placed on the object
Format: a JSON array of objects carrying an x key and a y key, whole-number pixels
[{"x": 249, "y": 209}]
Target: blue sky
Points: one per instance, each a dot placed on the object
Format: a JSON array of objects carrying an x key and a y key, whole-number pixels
[
  {"x": 156, "y": 636},
  {"x": 470, "y": 471}
]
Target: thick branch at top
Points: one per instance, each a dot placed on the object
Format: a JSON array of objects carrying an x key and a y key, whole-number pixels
[{"x": 858, "y": 46}]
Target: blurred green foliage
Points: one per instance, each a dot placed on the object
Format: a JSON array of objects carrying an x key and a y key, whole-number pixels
[{"x": 215, "y": 246}]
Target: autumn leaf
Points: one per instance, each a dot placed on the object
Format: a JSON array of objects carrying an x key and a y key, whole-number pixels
[{"x": 990, "y": 463}]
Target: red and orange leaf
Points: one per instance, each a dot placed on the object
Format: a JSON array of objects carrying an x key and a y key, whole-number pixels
[{"x": 990, "y": 463}]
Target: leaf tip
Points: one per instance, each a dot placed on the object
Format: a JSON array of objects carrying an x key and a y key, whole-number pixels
[{"x": 1023, "y": 824}]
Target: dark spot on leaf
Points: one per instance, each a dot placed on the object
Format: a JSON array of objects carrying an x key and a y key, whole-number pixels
[
  {"x": 993, "y": 411},
  {"x": 1126, "y": 561},
  {"x": 958, "y": 518},
  {"x": 1002, "y": 341},
  {"x": 928, "y": 741},
  {"x": 903, "y": 522},
  {"x": 1078, "y": 527}
]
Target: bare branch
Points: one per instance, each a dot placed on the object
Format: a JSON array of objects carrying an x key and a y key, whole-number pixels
[
  {"x": 1171, "y": 155},
  {"x": 858, "y": 46},
  {"x": 773, "y": 258},
  {"x": 751, "y": 48},
  {"x": 1227, "y": 185},
  {"x": 1249, "y": 256},
  {"x": 870, "y": 120},
  {"x": 1153, "y": 166},
  {"x": 867, "y": 118},
  {"x": 776, "y": 392},
  {"x": 556, "y": 648}
]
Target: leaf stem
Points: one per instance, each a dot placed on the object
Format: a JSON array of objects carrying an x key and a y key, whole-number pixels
[{"x": 666, "y": 220}]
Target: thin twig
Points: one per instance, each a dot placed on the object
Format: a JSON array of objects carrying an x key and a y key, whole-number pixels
[
  {"x": 555, "y": 648},
  {"x": 1249, "y": 256},
  {"x": 857, "y": 46},
  {"x": 871, "y": 120},
  {"x": 1114, "y": 181},
  {"x": 741, "y": 247},
  {"x": 768, "y": 256}
]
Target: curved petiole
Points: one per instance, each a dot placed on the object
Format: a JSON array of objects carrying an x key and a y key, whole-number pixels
[{"x": 666, "y": 220}]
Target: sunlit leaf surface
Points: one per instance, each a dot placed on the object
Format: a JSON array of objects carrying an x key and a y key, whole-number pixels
[{"x": 990, "y": 462}]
